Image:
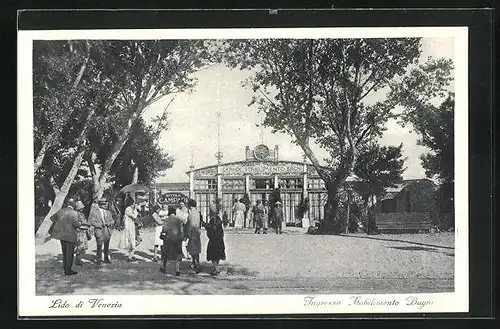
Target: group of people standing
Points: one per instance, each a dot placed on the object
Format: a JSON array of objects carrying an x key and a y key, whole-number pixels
[
  {"x": 74, "y": 230},
  {"x": 262, "y": 215},
  {"x": 177, "y": 234}
]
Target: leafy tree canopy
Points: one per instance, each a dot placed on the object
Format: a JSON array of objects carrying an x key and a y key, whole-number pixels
[{"x": 378, "y": 167}]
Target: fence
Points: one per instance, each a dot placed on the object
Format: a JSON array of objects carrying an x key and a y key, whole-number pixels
[{"x": 403, "y": 221}]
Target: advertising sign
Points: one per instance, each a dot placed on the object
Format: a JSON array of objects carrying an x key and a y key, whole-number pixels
[{"x": 173, "y": 198}]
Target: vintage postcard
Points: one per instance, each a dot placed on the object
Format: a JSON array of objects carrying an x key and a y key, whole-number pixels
[{"x": 243, "y": 171}]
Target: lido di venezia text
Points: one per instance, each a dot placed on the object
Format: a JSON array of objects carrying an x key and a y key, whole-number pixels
[{"x": 92, "y": 303}]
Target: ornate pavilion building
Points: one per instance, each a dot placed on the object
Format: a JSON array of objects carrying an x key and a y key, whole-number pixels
[{"x": 257, "y": 175}]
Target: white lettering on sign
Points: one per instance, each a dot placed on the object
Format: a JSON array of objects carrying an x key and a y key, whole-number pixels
[
  {"x": 172, "y": 198},
  {"x": 256, "y": 168}
]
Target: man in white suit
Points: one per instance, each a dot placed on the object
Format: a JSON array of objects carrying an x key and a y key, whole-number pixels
[{"x": 102, "y": 221}]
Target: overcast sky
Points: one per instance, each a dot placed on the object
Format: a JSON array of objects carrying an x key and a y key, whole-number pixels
[{"x": 193, "y": 124}]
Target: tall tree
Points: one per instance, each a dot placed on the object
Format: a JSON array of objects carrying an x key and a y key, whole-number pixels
[
  {"x": 143, "y": 71},
  {"x": 146, "y": 155},
  {"x": 58, "y": 69},
  {"x": 427, "y": 96},
  {"x": 67, "y": 91},
  {"x": 378, "y": 168},
  {"x": 435, "y": 126},
  {"x": 319, "y": 90},
  {"x": 123, "y": 78}
]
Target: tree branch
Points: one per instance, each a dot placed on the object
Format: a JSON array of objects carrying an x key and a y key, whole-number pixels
[
  {"x": 376, "y": 83},
  {"x": 164, "y": 82},
  {"x": 360, "y": 139},
  {"x": 93, "y": 172},
  {"x": 163, "y": 118},
  {"x": 268, "y": 99},
  {"x": 54, "y": 186},
  {"x": 304, "y": 144}
]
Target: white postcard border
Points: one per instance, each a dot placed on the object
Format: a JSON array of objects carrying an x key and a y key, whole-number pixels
[{"x": 31, "y": 305}]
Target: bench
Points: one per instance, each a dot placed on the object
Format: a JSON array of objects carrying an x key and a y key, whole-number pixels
[{"x": 416, "y": 221}]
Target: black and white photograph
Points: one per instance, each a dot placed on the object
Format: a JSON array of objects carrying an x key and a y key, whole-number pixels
[{"x": 321, "y": 165}]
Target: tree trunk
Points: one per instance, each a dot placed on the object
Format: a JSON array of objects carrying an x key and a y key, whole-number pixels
[
  {"x": 135, "y": 178},
  {"x": 41, "y": 154},
  {"x": 60, "y": 195},
  {"x": 331, "y": 206},
  {"x": 93, "y": 173},
  {"x": 103, "y": 176},
  {"x": 44, "y": 227},
  {"x": 348, "y": 213},
  {"x": 115, "y": 151}
]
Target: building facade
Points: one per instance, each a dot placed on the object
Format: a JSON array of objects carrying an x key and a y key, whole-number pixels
[{"x": 257, "y": 176}]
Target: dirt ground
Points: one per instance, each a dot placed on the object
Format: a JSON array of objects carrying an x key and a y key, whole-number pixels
[{"x": 291, "y": 263}]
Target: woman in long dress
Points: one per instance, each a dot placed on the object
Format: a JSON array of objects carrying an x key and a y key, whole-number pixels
[
  {"x": 265, "y": 216},
  {"x": 128, "y": 239},
  {"x": 172, "y": 241},
  {"x": 159, "y": 216},
  {"x": 216, "y": 250},
  {"x": 183, "y": 212},
  {"x": 193, "y": 228},
  {"x": 239, "y": 215}
]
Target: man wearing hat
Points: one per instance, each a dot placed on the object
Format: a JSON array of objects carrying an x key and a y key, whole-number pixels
[
  {"x": 102, "y": 221},
  {"x": 278, "y": 217},
  {"x": 82, "y": 234},
  {"x": 65, "y": 223}
]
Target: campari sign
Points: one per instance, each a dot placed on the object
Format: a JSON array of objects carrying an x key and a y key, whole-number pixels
[{"x": 173, "y": 198}]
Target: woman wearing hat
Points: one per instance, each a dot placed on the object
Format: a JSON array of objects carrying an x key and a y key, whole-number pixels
[
  {"x": 239, "y": 209},
  {"x": 128, "y": 238},
  {"x": 82, "y": 234},
  {"x": 172, "y": 235},
  {"x": 193, "y": 230},
  {"x": 159, "y": 215},
  {"x": 215, "y": 233}
]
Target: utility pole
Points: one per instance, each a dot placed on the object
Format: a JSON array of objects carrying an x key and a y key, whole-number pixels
[
  {"x": 218, "y": 155},
  {"x": 192, "y": 157}
]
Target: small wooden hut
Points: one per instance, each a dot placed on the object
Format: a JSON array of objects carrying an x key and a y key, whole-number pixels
[{"x": 408, "y": 206}]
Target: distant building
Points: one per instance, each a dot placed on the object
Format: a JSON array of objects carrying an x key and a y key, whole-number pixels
[
  {"x": 257, "y": 175},
  {"x": 173, "y": 187},
  {"x": 409, "y": 205}
]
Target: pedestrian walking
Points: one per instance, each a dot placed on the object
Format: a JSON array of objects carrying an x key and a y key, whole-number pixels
[
  {"x": 128, "y": 237},
  {"x": 83, "y": 234},
  {"x": 278, "y": 217},
  {"x": 253, "y": 219},
  {"x": 139, "y": 222},
  {"x": 265, "y": 216},
  {"x": 159, "y": 216},
  {"x": 239, "y": 215},
  {"x": 259, "y": 216},
  {"x": 194, "y": 224},
  {"x": 101, "y": 219},
  {"x": 225, "y": 219},
  {"x": 216, "y": 250},
  {"x": 183, "y": 212},
  {"x": 172, "y": 235},
  {"x": 65, "y": 223}
]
